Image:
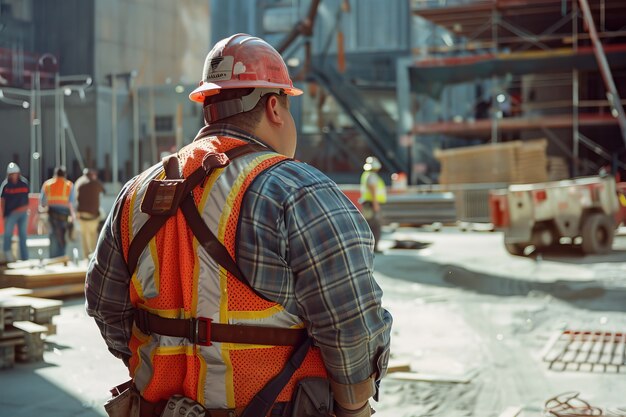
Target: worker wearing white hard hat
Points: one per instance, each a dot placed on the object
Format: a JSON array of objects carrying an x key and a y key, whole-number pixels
[
  {"x": 14, "y": 207},
  {"x": 373, "y": 195}
]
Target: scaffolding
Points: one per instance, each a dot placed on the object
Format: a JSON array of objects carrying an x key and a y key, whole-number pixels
[{"x": 557, "y": 45}]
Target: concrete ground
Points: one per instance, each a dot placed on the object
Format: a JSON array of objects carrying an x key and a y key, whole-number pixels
[{"x": 469, "y": 319}]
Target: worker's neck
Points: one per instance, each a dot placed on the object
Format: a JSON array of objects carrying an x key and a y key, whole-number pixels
[{"x": 267, "y": 135}]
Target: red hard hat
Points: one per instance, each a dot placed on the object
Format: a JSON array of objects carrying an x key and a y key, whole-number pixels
[{"x": 243, "y": 61}]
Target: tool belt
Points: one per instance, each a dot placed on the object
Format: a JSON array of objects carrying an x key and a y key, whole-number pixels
[
  {"x": 150, "y": 409},
  {"x": 127, "y": 402}
]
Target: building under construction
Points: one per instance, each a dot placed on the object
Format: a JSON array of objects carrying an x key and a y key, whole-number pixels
[{"x": 401, "y": 79}]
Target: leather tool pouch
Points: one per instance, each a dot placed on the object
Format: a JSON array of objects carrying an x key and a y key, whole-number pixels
[
  {"x": 312, "y": 398},
  {"x": 180, "y": 406},
  {"x": 125, "y": 401}
]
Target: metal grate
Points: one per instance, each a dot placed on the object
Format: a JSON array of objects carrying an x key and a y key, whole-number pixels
[{"x": 587, "y": 351}]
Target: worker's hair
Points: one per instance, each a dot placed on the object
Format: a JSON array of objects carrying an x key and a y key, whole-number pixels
[
  {"x": 59, "y": 171},
  {"x": 248, "y": 120}
]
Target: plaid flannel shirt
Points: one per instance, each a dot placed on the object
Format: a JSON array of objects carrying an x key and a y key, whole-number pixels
[{"x": 302, "y": 244}]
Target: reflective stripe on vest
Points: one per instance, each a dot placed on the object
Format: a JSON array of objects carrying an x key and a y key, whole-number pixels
[
  {"x": 177, "y": 278},
  {"x": 57, "y": 191},
  {"x": 381, "y": 191}
]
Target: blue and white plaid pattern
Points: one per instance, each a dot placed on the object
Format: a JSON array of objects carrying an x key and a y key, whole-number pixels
[{"x": 302, "y": 244}]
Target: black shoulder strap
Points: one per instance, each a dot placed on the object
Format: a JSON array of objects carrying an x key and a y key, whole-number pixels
[
  {"x": 263, "y": 401},
  {"x": 209, "y": 241}
]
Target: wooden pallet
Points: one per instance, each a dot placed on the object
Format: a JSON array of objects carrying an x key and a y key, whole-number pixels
[{"x": 24, "y": 321}]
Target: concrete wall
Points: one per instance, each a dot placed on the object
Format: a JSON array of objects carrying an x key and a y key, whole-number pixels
[
  {"x": 161, "y": 39},
  {"x": 16, "y": 136},
  {"x": 65, "y": 29}
]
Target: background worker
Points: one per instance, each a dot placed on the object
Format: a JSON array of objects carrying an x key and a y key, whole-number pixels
[
  {"x": 373, "y": 195},
  {"x": 14, "y": 206},
  {"x": 88, "y": 190},
  {"x": 57, "y": 198},
  {"x": 303, "y": 250}
]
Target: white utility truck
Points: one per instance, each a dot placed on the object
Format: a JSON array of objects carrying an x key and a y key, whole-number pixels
[{"x": 586, "y": 210}]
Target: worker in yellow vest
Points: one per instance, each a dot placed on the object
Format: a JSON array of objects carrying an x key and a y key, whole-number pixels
[
  {"x": 231, "y": 277},
  {"x": 57, "y": 199},
  {"x": 373, "y": 195}
]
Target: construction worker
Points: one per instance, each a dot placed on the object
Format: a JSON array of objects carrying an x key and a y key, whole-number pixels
[
  {"x": 14, "y": 202},
  {"x": 88, "y": 190},
  {"x": 57, "y": 199},
  {"x": 373, "y": 195},
  {"x": 233, "y": 278}
]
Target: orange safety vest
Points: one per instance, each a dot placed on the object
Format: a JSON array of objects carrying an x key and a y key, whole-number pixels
[
  {"x": 57, "y": 191},
  {"x": 176, "y": 278}
]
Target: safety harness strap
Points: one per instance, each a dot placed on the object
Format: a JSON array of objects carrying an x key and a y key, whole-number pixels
[
  {"x": 162, "y": 204},
  {"x": 161, "y": 209},
  {"x": 263, "y": 401},
  {"x": 203, "y": 331},
  {"x": 209, "y": 241}
]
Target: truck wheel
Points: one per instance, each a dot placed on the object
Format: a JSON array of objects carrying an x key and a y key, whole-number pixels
[
  {"x": 598, "y": 232},
  {"x": 516, "y": 249},
  {"x": 544, "y": 238}
]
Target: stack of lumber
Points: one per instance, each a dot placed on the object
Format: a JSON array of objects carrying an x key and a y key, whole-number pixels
[
  {"x": 516, "y": 162},
  {"x": 56, "y": 277},
  {"x": 24, "y": 321},
  {"x": 558, "y": 168}
]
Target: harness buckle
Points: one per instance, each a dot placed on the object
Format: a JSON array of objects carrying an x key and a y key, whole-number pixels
[
  {"x": 163, "y": 197},
  {"x": 194, "y": 333}
]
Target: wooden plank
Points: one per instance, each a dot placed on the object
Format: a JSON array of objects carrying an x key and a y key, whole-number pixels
[
  {"x": 52, "y": 275},
  {"x": 38, "y": 303},
  {"x": 59, "y": 290},
  {"x": 417, "y": 376},
  {"x": 13, "y": 291},
  {"x": 38, "y": 263},
  {"x": 397, "y": 366},
  {"x": 29, "y": 327}
]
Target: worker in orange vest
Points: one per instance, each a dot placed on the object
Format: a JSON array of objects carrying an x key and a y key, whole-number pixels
[
  {"x": 57, "y": 199},
  {"x": 231, "y": 277}
]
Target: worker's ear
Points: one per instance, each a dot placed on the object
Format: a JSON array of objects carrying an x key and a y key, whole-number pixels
[{"x": 273, "y": 111}]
